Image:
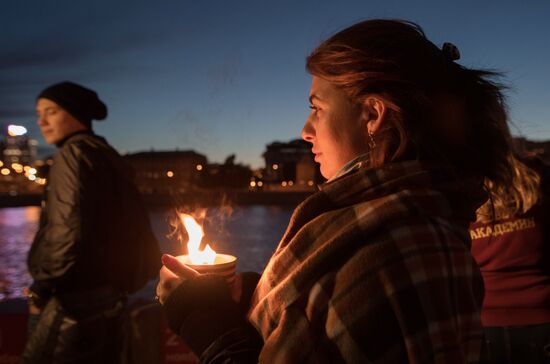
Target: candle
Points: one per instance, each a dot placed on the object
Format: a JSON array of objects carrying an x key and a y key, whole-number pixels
[
  {"x": 223, "y": 265},
  {"x": 205, "y": 260}
]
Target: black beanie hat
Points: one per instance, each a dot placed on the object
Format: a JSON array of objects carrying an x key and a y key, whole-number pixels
[{"x": 79, "y": 101}]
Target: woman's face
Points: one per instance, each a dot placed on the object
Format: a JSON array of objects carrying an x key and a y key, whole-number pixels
[{"x": 335, "y": 127}]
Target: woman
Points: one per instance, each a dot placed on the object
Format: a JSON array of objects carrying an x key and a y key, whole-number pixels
[
  {"x": 510, "y": 242},
  {"x": 375, "y": 267}
]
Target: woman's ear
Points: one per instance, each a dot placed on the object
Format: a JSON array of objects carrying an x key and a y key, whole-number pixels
[{"x": 374, "y": 113}]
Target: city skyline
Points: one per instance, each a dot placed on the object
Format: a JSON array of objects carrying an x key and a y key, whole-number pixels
[{"x": 229, "y": 78}]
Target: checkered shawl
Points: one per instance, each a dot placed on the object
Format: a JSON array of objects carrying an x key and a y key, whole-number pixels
[{"x": 375, "y": 268}]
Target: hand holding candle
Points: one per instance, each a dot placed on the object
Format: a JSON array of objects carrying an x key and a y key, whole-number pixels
[{"x": 174, "y": 272}]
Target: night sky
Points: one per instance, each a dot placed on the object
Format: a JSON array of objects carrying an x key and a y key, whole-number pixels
[{"x": 228, "y": 76}]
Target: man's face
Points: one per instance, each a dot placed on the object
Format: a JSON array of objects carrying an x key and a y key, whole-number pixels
[
  {"x": 334, "y": 127},
  {"x": 55, "y": 123}
]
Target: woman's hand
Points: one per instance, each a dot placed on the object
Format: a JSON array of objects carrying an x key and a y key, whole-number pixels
[{"x": 172, "y": 274}]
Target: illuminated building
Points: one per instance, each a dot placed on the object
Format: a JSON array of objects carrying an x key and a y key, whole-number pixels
[
  {"x": 17, "y": 157},
  {"x": 17, "y": 147},
  {"x": 226, "y": 175},
  {"x": 290, "y": 166},
  {"x": 167, "y": 172}
]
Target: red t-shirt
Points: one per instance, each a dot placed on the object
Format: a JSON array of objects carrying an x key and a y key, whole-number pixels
[{"x": 513, "y": 255}]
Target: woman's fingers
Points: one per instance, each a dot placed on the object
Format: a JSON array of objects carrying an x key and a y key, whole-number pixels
[
  {"x": 168, "y": 282},
  {"x": 172, "y": 274},
  {"x": 166, "y": 274},
  {"x": 177, "y": 267}
]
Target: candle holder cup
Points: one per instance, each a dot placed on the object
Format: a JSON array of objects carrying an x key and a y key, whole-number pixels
[{"x": 224, "y": 265}]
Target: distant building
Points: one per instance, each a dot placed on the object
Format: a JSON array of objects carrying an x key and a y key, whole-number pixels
[
  {"x": 17, "y": 147},
  {"x": 289, "y": 166},
  {"x": 167, "y": 171},
  {"x": 226, "y": 175},
  {"x": 18, "y": 174}
]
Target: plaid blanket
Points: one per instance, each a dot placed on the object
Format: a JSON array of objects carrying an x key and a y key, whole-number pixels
[{"x": 375, "y": 267}]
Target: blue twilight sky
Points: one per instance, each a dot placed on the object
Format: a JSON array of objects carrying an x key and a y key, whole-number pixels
[{"x": 228, "y": 76}]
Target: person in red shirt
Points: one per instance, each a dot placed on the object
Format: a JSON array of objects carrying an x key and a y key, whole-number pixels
[{"x": 511, "y": 244}]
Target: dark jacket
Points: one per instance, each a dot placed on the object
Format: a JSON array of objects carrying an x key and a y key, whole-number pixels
[{"x": 94, "y": 230}]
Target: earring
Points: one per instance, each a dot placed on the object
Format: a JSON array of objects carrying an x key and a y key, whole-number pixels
[{"x": 372, "y": 143}]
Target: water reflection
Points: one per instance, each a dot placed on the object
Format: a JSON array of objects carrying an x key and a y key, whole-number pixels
[
  {"x": 251, "y": 233},
  {"x": 17, "y": 229}
]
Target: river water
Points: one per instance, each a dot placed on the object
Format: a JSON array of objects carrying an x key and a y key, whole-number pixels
[{"x": 250, "y": 232}]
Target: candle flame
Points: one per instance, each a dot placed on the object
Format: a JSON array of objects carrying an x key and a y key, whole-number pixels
[{"x": 196, "y": 233}]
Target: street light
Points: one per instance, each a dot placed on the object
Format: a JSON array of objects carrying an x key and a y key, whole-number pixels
[{"x": 16, "y": 130}]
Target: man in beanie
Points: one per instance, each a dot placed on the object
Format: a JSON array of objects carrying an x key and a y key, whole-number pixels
[{"x": 91, "y": 216}]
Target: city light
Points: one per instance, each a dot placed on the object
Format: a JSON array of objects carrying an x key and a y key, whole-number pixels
[
  {"x": 17, "y": 167},
  {"x": 25, "y": 173},
  {"x": 16, "y": 130}
]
